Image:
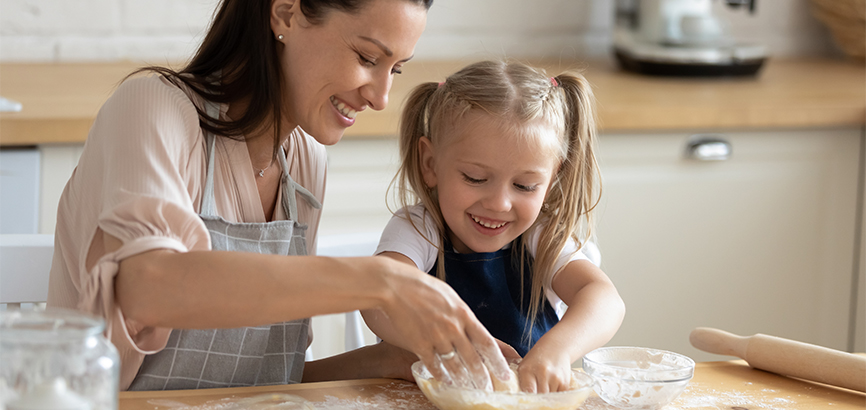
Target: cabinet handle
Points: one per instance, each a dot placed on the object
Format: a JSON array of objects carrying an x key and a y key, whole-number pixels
[{"x": 704, "y": 147}]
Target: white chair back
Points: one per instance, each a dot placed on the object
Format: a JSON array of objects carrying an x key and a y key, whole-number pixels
[
  {"x": 355, "y": 244},
  {"x": 25, "y": 263}
]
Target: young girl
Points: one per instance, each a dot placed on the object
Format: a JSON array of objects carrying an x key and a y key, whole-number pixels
[{"x": 497, "y": 182}]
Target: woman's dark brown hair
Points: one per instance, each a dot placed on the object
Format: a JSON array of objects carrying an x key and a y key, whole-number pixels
[{"x": 240, "y": 51}]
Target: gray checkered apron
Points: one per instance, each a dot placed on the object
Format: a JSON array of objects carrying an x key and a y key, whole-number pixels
[{"x": 247, "y": 356}]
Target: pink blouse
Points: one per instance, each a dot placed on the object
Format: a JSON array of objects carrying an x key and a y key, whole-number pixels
[{"x": 141, "y": 178}]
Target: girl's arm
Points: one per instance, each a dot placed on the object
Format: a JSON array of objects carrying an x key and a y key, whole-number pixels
[
  {"x": 210, "y": 289},
  {"x": 595, "y": 312},
  {"x": 377, "y": 320},
  {"x": 374, "y": 361}
]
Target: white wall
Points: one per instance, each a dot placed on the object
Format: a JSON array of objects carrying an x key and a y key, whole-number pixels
[
  {"x": 169, "y": 30},
  {"x": 157, "y": 31}
]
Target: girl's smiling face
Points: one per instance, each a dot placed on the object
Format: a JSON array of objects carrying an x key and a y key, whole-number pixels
[
  {"x": 491, "y": 183},
  {"x": 344, "y": 64}
]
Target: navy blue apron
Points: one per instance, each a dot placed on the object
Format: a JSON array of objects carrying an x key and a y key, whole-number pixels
[{"x": 490, "y": 284}]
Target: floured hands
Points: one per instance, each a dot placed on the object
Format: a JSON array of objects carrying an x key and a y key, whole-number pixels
[
  {"x": 544, "y": 372},
  {"x": 431, "y": 320}
]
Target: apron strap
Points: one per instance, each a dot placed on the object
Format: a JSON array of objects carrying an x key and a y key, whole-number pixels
[{"x": 290, "y": 188}]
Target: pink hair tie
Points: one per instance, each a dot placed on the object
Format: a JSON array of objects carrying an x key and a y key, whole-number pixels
[
  {"x": 441, "y": 83},
  {"x": 553, "y": 81}
]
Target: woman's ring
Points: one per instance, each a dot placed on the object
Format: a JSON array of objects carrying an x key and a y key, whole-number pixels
[{"x": 449, "y": 355}]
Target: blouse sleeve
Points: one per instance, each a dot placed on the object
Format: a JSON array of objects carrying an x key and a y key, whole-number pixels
[
  {"x": 140, "y": 180},
  {"x": 401, "y": 237}
]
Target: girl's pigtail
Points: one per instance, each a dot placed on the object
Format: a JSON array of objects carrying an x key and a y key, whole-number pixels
[
  {"x": 409, "y": 181},
  {"x": 581, "y": 125},
  {"x": 572, "y": 196},
  {"x": 413, "y": 125}
]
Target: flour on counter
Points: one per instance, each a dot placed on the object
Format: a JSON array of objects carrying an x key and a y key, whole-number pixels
[
  {"x": 176, "y": 405},
  {"x": 700, "y": 397},
  {"x": 390, "y": 397},
  {"x": 387, "y": 397},
  {"x": 379, "y": 401}
]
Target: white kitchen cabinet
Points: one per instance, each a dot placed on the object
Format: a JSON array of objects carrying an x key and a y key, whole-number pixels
[
  {"x": 858, "y": 316},
  {"x": 19, "y": 185},
  {"x": 359, "y": 173},
  {"x": 58, "y": 163},
  {"x": 763, "y": 242}
]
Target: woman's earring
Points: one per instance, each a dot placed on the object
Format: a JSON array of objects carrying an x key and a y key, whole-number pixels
[{"x": 280, "y": 37}]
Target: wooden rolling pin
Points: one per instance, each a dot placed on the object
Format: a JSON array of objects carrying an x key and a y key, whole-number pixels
[{"x": 786, "y": 357}]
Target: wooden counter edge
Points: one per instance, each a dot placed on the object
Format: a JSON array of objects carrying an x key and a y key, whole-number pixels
[
  {"x": 24, "y": 133},
  {"x": 364, "y": 382},
  {"x": 253, "y": 389}
]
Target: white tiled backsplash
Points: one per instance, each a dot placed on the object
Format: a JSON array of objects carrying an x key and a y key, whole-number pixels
[{"x": 160, "y": 30}]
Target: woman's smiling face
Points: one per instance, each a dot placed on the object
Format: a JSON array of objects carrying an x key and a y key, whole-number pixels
[
  {"x": 344, "y": 64},
  {"x": 491, "y": 185}
]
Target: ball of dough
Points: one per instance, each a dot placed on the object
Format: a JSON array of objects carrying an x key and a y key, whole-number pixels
[{"x": 512, "y": 385}]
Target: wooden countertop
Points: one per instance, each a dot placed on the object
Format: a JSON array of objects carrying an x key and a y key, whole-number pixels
[
  {"x": 716, "y": 385},
  {"x": 61, "y": 100}
]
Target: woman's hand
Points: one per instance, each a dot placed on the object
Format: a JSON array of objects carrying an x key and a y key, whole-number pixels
[
  {"x": 511, "y": 355},
  {"x": 396, "y": 363},
  {"x": 544, "y": 371},
  {"x": 425, "y": 316}
]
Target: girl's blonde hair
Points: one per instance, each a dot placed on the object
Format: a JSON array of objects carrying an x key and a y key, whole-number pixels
[{"x": 518, "y": 95}]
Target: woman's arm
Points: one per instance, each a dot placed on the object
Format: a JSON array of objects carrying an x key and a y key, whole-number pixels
[
  {"x": 210, "y": 289},
  {"x": 595, "y": 312}
]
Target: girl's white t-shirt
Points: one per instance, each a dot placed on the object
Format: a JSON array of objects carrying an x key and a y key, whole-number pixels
[{"x": 399, "y": 236}]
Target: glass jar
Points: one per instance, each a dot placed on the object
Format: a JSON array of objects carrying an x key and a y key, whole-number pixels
[{"x": 56, "y": 359}]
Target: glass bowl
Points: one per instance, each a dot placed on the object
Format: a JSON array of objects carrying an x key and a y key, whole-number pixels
[
  {"x": 447, "y": 397},
  {"x": 638, "y": 377}
]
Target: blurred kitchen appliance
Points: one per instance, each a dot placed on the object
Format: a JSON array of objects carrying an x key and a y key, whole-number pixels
[{"x": 681, "y": 38}]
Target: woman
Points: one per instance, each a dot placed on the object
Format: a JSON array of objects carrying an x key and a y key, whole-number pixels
[{"x": 197, "y": 197}]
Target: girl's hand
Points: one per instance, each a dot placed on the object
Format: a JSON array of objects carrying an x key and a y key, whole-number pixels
[
  {"x": 430, "y": 320},
  {"x": 543, "y": 372},
  {"x": 373, "y": 361},
  {"x": 392, "y": 362}
]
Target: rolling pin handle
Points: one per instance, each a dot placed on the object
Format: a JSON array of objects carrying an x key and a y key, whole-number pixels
[{"x": 719, "y": 342}]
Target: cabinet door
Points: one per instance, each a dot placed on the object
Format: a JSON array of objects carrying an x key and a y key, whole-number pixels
[
  {"x": 760, "y": 243},
  {"x": 359, "y": 174},
  {"x": 858, "y": 319},
  {"x": 19, "y": 179}
]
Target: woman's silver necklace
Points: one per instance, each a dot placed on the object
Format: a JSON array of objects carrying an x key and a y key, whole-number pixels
[{"x": 261, "y": 172}]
